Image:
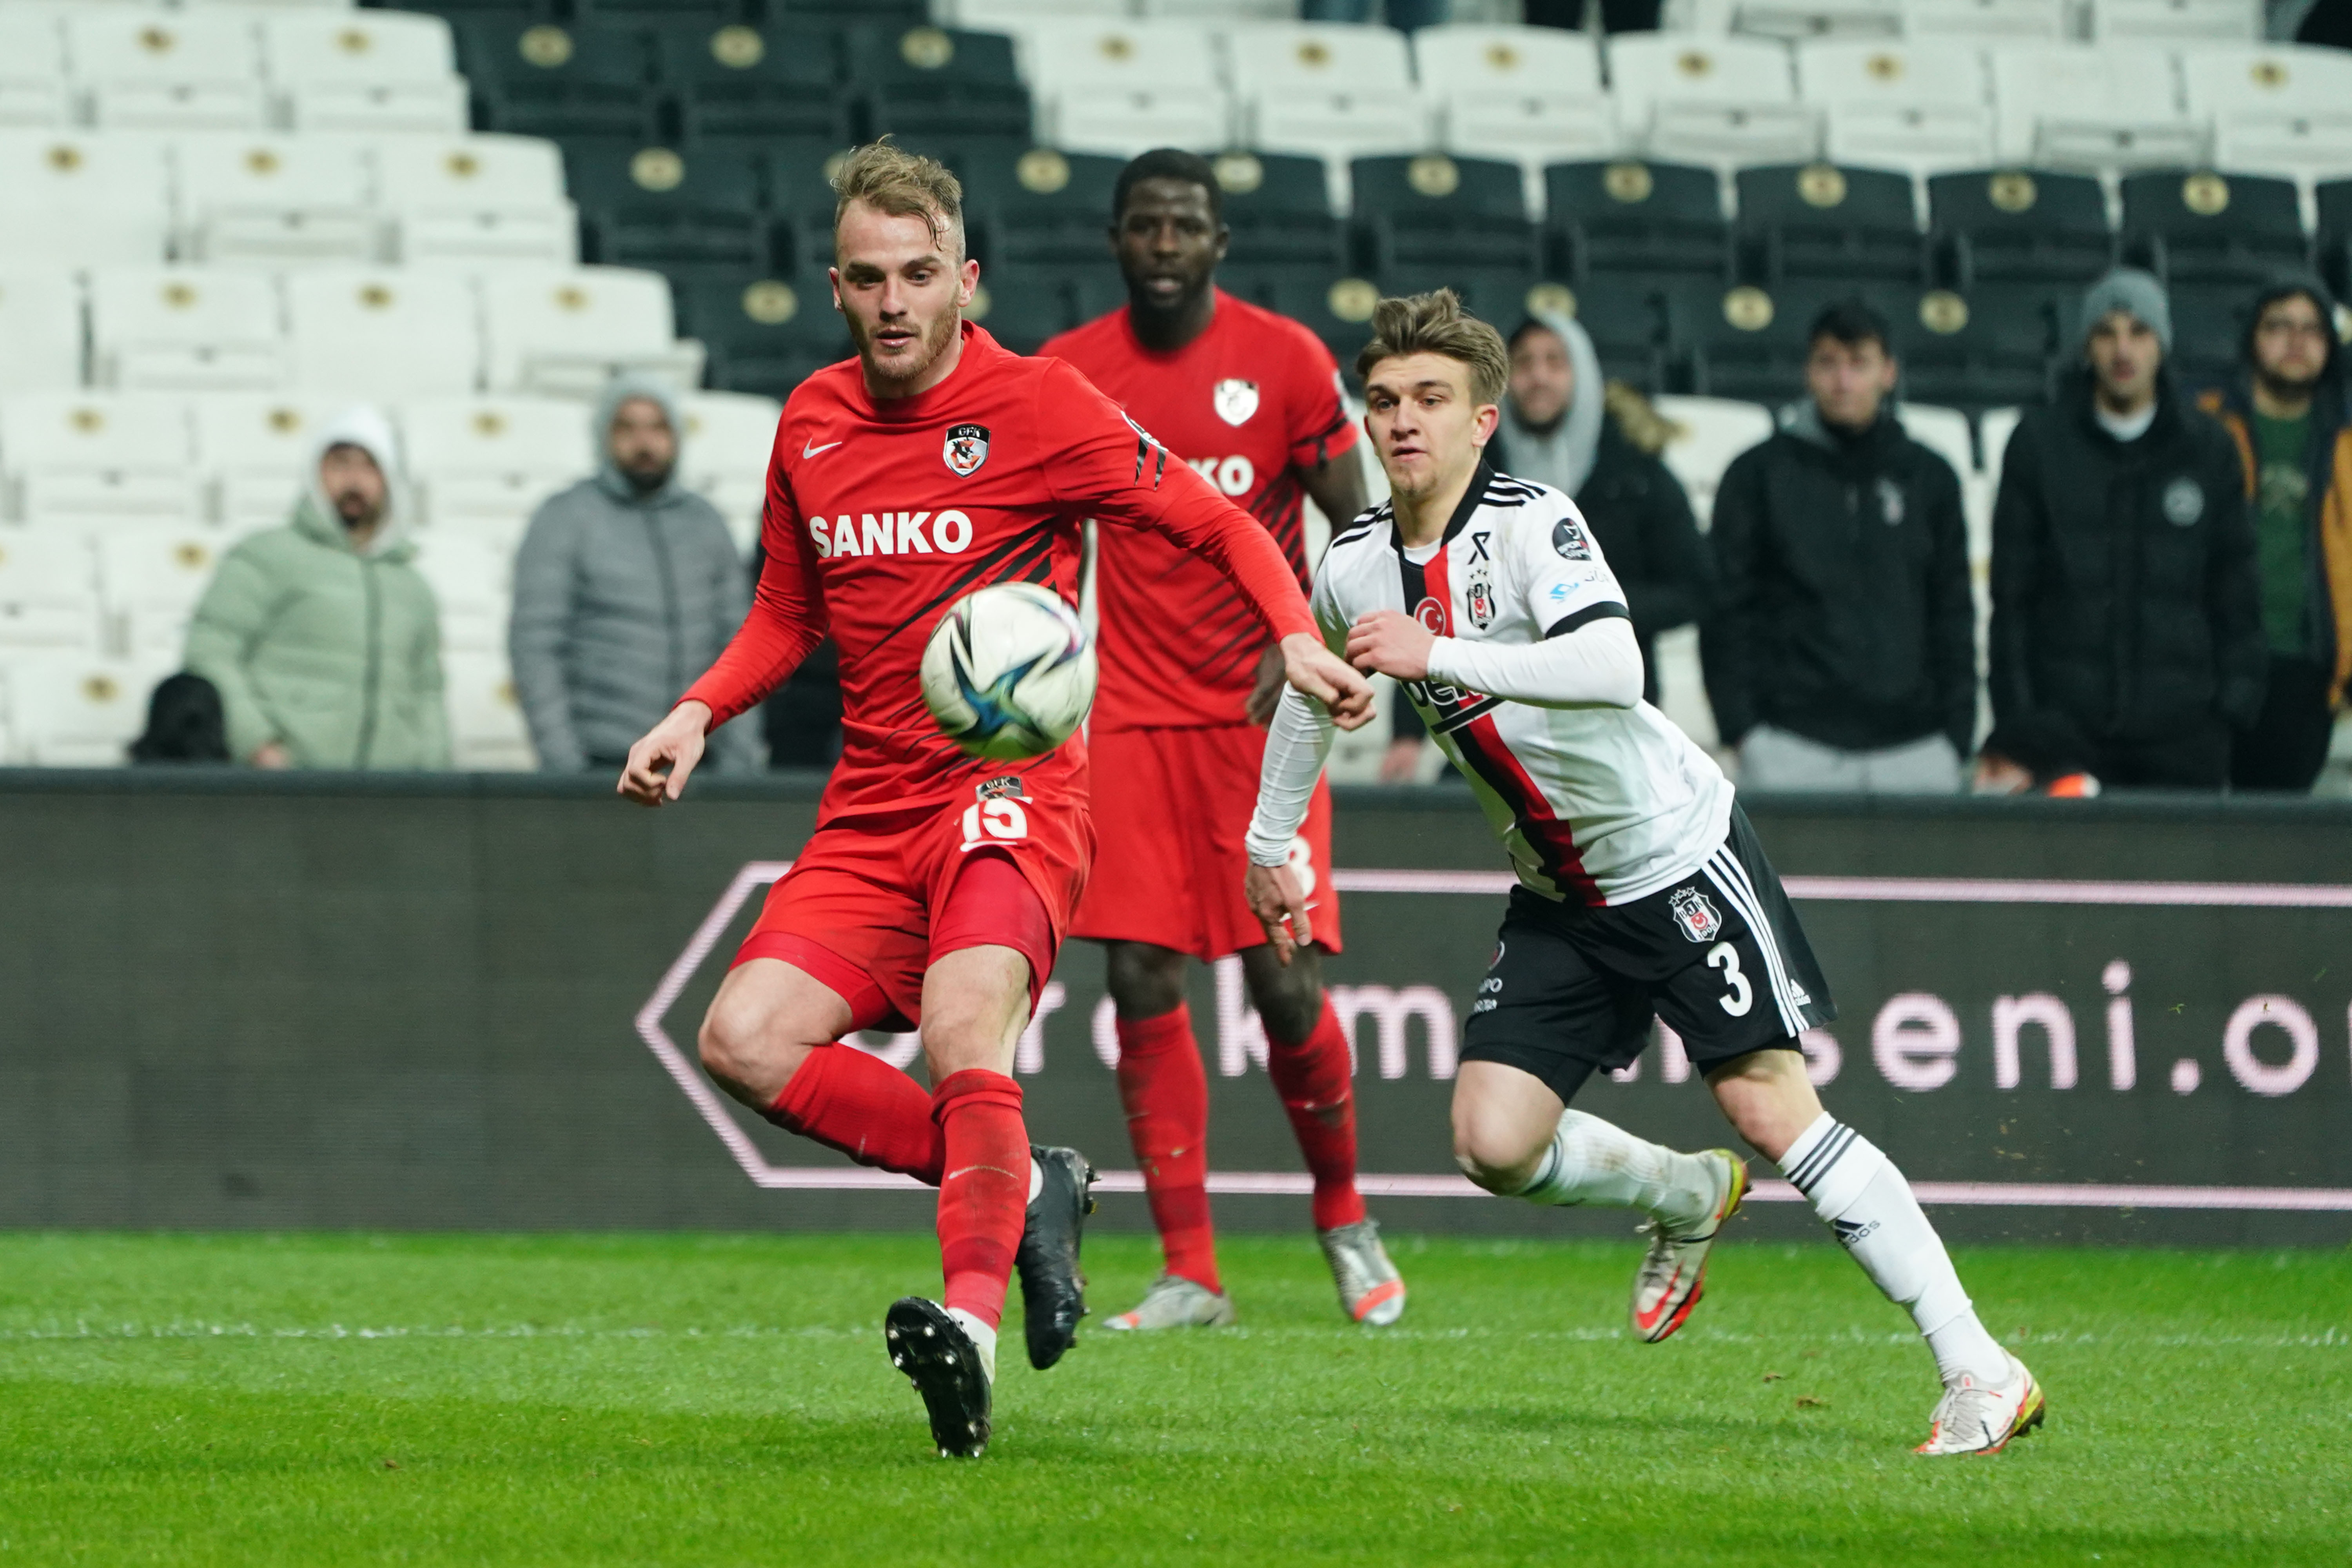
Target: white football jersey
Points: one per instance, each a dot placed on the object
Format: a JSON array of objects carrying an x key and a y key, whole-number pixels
[{"x": 1596, "y": 805}]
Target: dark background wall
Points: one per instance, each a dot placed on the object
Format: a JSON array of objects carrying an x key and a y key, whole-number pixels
[{"x": 326, "y": 1000}]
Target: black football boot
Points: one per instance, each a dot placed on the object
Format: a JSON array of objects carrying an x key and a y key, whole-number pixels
[
  {"x": 939, "y": 1358},
  {"x": 1053, "y": 1289}
]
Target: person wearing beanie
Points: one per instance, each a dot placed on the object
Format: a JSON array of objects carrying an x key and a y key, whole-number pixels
[
  {"x": 2287, "y": 413},
  {"x": 323, "y": 639},
  {"x": 2124, "y": 597}
]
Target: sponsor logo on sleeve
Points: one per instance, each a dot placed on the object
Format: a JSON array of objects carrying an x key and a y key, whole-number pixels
[{"x": 966, "y": 450}]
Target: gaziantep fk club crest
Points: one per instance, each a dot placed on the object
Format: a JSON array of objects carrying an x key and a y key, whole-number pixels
[
  {"x": 966, "y": 450},
  {"x": 1235, "y": 401},
  {"x": 1696, "y": 913}
]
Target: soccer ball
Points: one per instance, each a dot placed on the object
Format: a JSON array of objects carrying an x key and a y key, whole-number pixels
[{"x": 1009, "y": 672}]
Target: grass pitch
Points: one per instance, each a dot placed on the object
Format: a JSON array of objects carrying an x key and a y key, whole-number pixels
[{"x": 321, "y": 1400}]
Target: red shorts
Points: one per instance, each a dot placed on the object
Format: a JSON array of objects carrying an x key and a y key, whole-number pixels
[
  {"x": 873, "y": 900},
  {"x": 1171, "y": 807}
]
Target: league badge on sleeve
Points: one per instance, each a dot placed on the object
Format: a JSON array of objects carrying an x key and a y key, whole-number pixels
[
  {"x": 966, "y": 450},
  {"x": 1234, "y": 400},
  {"x": 1568, "y": 539},
  {"x": 1695, "y": 914}
]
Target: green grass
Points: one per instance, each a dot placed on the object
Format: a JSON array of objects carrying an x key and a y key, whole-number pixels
[{"x": 255, "y": 1400}]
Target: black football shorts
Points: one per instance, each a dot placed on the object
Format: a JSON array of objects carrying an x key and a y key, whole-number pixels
[{"x": 1718, "y": 955}]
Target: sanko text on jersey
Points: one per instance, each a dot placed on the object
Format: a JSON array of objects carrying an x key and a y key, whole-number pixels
[{"x": 892, "y": 534}]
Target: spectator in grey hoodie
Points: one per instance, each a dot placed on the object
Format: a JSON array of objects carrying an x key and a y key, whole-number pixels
[{"x": 627, "y": 587}]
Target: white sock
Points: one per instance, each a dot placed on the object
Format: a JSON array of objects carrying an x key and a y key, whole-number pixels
[
  {"x": 1036, "y": 1178},
  {"x": 1591, "y": 1162},
  {"x": 983, "y": 1337},
  {"x": 1866, "y": 1201}
]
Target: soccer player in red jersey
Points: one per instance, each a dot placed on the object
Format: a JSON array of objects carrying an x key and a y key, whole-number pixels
[
  {"x": 936, "y": 888},
  {"x": 1251, "y": 400}
]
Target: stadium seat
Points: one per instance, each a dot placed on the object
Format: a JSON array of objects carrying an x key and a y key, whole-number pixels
[
  {"x": 1753, "y": 343},
  {"x": 1339, "y": 312},
  {"x": 49, "y": 591},
  {"x": 734, "y": 80},
  {"x": 2333, "y": 239},
  {"x": 475, "y": 199},
  {"x": 1818, "y": 220},
  {"x": 486, "y": 463},
  {"x": 181, "y": 329},
  {"x": 84, "y": 200},
  {"x": 1532, "y": 95},
  {"x": 1436, "y": 208},
  {"x": 1994, "y": 427},
  {"x": 253, "y": 450},
  {"x": 2016, "y": 224},
  {"x": 41, "y": 329},
  {"x": 657, "y": 207},
  {"x": 369, "y": 72},
  {"x": 1023, "y": 306},
  {"x": 487, "y": 732},
  {"x": 1279, "y": 208},
  {"x": 2199, "y": 227},
  {"x": 539, "y": 79},
  {"x": 2284, "y": 110},
  {"x": 1619, "y": 314},
  {"x": 98, "y": 458},
  {"x": 33, "y": 85},
  {"x": 1968, "y": 22},
  {"x": 275, "y": 199},
  {"x": 2209, "y": 332},
  {"x": 1338, "y": 92},
  {"x": 728, "y": 438},
  {"x": 1943, "y": 431},
  {"x": 1889, "y": 105},
  {"x": 1711, "y": 432},
  {"x": 167, "y": 70},
  {"x": 1106, "y": 85},
  {"x": 1710, "y": 100},
  {"x": 566, "y": 331},
  {"x": 937, "y": 85},
  {"x": 79, "y": 710},
  {"x": 471, "y": 573},
  {"x": 2084, "y": 106},
  {"x": 2190, "y": 21},
  {"x": 764, "y": 333},
  {"x": 1631, "y": 217},
  {"x": 382, "y": 331},
  {"x": 1800, "y": 19},
  {"x": 1973, "y": 352},
  {"x": 1043, "y": 209},
  {"x": 151, "y": 576}
]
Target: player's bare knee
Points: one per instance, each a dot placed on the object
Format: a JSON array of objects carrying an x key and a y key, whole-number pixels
[
  {"x": 743, "y": 1052},
  {"x": 1144, "y": 981},
  {"x": 1488, "y": 1149},
  {"x": 1289, "y": 999}
]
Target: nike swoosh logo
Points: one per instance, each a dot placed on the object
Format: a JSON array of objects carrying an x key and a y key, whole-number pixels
[{"x": 812, "y": 451}]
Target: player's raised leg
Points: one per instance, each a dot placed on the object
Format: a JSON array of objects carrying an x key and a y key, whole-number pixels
[{"x": 1307, "y": 1056}]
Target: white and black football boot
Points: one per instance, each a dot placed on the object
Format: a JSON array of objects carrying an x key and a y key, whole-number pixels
[
  {"x": 1052, "y": 1288},
  {"x": 934, "y": 1353}
]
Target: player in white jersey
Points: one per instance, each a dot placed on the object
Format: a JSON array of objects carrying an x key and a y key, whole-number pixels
[{"x": 1642, "y": 891}]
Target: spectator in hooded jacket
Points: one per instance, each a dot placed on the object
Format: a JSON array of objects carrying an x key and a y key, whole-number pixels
[
  {"x": 2294, "y": 436},
  {"x": 324, "y": 642},
  {"x": 1841, "y": 652},
  {"x": 2126, "y": 599},
  {"x": 627, "y": 587}
]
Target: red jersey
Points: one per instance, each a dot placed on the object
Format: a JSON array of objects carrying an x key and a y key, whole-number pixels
[
  {"x": 882, "y": 514},
  {"x": 1247, "y": 404}
]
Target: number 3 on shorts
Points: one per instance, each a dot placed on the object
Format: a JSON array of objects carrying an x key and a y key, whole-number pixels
[
  {"x": 1726, "y": 957},
  {"x": 996, "y": 821}
]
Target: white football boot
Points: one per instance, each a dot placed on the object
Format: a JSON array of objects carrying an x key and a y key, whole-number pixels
[
  {"x": 1176, "y": 1302},
  {"x": 1372, "y": 1291},
  {"x": 1673, "y": 1274},
  {"x": 1975, "y": 1418}
]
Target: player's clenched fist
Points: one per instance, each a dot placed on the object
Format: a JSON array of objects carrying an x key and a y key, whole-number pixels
[
  {"x": 1275, "y": 898},
  {"x": 1392, "y": 642},
  {"x": 1315, "y": 671},
  {"x": 658, "y": 764}
]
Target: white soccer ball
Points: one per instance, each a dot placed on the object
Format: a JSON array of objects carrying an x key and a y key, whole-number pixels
[{"x": 1009, "y": 672}]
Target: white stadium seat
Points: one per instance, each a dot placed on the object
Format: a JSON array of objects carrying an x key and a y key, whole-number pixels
[
  {"x": 386, "y": 331},
  {"x": 79, "y": 710},
  {"x": 1145, "y": 56},
  {"x": 1994, "y": 427},
  {"x": 1327, "y": 89},
  {"x": 172, "y": 70},
  {"x": 487, "y": 731},
  {"x": 472, "y": 576},
  {"x": 48, "y": 590},
  {"x": 97, "y": 459},
  {"x": 2284, "y": 110},
  {"x": 1796, "y": 19},
  {"x": 1713, "y": 431},
  {"x": 1219, "y": 10},
  {"x": 41, "y": 329},
  {"x": 2177, "y": 21},
  {"x": 728, "y": 437},
  {"x": 1710, "y": 100},
  {"x": 477, "y": 198},
  {"x": 1985, "y": 21},
  {"x": 2080, "y": 106},
  {"x": 80, "y": 200},
  {"x": 371, "y": 71},
  {"x": 1109, "y": 85},
  {"x": 253, "y": 450},
  {"x": 486, "y": 463},
  {"x": 151, "y": 577},
  {"x": 1944, "y": 431},
  {"x": 32, "y": 69},
  {"x": 1532, "y": 95},
  {"x": 1124, "y": 122},
  {"x": 566, "y": 331},
  {"x": 272, "y": 199},
  {"x": 179, "y": 329},
  {"x": 1898, "y": 106}
]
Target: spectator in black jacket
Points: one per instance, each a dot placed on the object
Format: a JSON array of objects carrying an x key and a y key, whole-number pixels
[
  {"x": 2125, "y": 601},
  {"x": 1842, "y": 654}
]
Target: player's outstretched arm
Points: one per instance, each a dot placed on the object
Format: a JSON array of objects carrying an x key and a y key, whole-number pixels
[
  {"x": 1314, "y": 671},
  {"x": 1296, "y": 746},
  {"x": 662, "y": 761}
]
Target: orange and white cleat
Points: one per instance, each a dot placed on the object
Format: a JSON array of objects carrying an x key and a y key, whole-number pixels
[
  {"x": 1673, "y": 1275},
  {"x": 1979, "y": 1417},
  {"x": 1372, "y": 1291}
]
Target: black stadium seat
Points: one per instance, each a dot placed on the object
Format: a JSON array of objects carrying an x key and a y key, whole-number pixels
[
  {"x": 937, "y": 85},
  {"x": 1752, "y": 343},
  {"x": 764, "y": 333},
  {"x": 1633, "y": 216},
  {"x": 1412, "y": 211},
  {"x": 2334, "y": 240},
  {"x": 1279, "y": 205},
  {"x": 2195, "y": 226},
  {"x": 1820, "y": 220},
  {"x": 2017, "y": 224},
  {"x": 660, "y": 207},
  {"x": 1338, "y": 310},
  {"x": 546, "y": 80},
  {"x": 1621, "y": 315},
  {"x": 2209, "y": 331},
  {"x": 1022, "y": 307},
  {"x": 1991, "y": 349},
  {"x": 735, "y": 80}
]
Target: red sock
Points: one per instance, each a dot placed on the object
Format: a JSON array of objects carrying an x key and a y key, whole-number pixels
[
  {"x": 1166, "y": 1092},
  {"x": 1312, "y": 1078},
  {"x": 986, "y": 1192},
  {"x": 861, "y": 1105}
]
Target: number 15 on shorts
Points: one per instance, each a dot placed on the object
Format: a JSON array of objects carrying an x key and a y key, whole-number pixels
[{"x": 999, "y": 821}]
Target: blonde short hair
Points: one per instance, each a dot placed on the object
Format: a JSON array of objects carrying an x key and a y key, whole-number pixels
[
  {"x": 1435, "y": 323},
  {"x": 891, "y": 180}
]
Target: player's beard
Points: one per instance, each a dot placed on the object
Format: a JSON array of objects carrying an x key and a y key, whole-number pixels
[{"x": 934, "y": 341}]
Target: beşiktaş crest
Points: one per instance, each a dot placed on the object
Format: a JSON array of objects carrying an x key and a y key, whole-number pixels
[
  {"x": 1234, "y": 400},
  {"x": 1695, "y": 914},
  {"x": 966, "y": 448}
]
